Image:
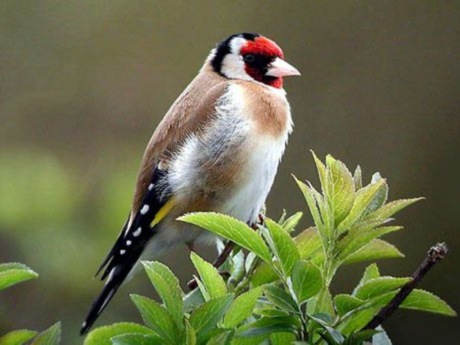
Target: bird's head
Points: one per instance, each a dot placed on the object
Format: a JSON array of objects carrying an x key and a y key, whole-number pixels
[{"x": 250, "y": 56}]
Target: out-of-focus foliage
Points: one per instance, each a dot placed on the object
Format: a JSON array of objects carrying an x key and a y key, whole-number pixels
[
  {"x": 12, "y": 274},
  {"x": 296, "y": 304}
]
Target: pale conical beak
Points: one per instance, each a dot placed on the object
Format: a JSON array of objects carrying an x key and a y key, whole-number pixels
[{"x": 280, "y": 68}]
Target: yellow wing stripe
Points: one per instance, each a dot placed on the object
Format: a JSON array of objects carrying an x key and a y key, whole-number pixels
[{"x": 163, "y": 212}]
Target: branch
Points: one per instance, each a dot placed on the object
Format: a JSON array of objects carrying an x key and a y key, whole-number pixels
[{"x": 435, "y": 254}]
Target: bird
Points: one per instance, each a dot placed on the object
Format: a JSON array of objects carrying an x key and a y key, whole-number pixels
[{"x": 217, "y": 149}]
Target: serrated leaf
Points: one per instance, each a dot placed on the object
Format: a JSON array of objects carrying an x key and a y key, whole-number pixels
[
  {"x": 306, "y": 280},
  {"x": 380, "y": 197},
  {"x": 264, "y": 274},
  {"x": 379, "y": 286},
  {"x": 282, "y": 338},
  {"x": 241, "y": 308},
  {"x": 52, "y": 336},
  {"x": 283, "y": 246},
  {"x": 355, "y": 241},
  {"x": 358, "y": 321},
  {"x": 290, "y": 223},
  {"x": 426, "y": 301},
  {"x": 167, "y": 286},
  {"x": 322, "y": 173},
  {"x": 340, "y": 188},
  {"x": 190, "y": 334},
  {"x": 363, "y": 198},
  {"x": 389, "y": 209},
  {"x": 212, "y": 280},
  {"x": 223, "y": 337},
  {"x": 232, "y": 229},
  {"x": 311, "y": 202},
  {"x": 358, "y": 178},
  {"x": 381, "y": 338},
  {"x": 192, "y": 300},
  {"x": 104, "y": 334},
  {"x": 280, "y": 298},
  {"x": 308, "y": 243},
  {"x": 18, "y": 337},
  {"x": 371, "y": 272},
  {"x": 376, "y": 249},
  {"x": 157, "y": 318},
  {"x": 321, "y": 303},
  {"x": 137, "y": 339},
  {"x": 14, "y": 273},
  {"x": 205, "y": 317},
  {"x": 268, "y": 325},
  {"x": 345, "y": 303}
]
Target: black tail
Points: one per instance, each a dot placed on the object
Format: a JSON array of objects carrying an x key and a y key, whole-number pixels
[{"x": 114, "y": 281}]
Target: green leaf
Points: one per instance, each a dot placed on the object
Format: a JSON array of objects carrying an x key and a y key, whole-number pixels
[
  {"x": 232, "y": 229},
  {"x": 205, "y": 317},
  {"x": 358, "y": 321},
  {"x": 190, "y": 333},
  {"x": 322, "y": 173},
  {"x": 264, "y": 274},
  {"x": 52, "y": 336},
  {"x": 356, "y": 240},
  {"x": 357, "y": 178},
  {"x": 312, "y": 204},
  {"x": 212, "y": 280},
  {"x": 371, "y": 272},
  {"x": 290, "y": 223},
  {"x": 280, "y": 298},
  {"x": 381, "y": 338},
  {"x": 192, "y": 300},
  {"x": 426, "y": 301},
  {"x": 222, "y": 338},
  {"x": 376, "y": 249},
  {"x": 360, "y": 337},
  {"x": 282, "y": 338},
  {"x": 241, "y": 308},
  {"x": 14, "y": 273},
  {"x": 345, "y": 303},
  {"x": 167, "y": 286},
  {"x": 308, "y": 243},
  {"x": 18, "y": 337},
  {"x": 388, "y": 210},
  {"x": 103, "y": 335},
  {"x": 340, "y": 188},
  {"x": 283, "y": 246},
  {"x": 380, "y": 197},
  {"x": 363, "y": 198},
  {"x": 267, "y": 326},
  {"x": 157, "y": 318},
  {"x": 137, "y": 339},
  {"x": 306, "y": 280},
  {"x": 379, "y": 286},
  {"x": 321, "y": 303}
]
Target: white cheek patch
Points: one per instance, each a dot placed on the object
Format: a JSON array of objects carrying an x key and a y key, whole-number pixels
[{"x": 233, "y": 64}]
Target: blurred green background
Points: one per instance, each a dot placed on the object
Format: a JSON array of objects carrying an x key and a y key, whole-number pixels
[{"x": 84, "y": 83}]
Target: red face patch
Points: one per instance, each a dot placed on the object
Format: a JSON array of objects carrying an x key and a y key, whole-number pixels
[
  {"x": 264, "y": 50},
  {"x": 262, "y": 46}
]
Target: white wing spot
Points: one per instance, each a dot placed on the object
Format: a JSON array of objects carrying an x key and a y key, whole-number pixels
[
  {"x": 122, "y": 251},
  {"x": 137, "y": 232},
  {"x": 145, "y": 209},
  {"x": 151, "y": 186},
  {"x": 128, "y": 243}
]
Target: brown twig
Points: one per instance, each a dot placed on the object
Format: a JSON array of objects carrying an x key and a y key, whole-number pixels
[{"x": 435, "y": 254}]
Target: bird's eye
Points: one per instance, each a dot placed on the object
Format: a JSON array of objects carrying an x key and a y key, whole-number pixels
[{"x": 249, "y": 58}]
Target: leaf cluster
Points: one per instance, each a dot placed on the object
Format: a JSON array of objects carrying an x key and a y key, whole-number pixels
[{"x": 277, "y": 286}]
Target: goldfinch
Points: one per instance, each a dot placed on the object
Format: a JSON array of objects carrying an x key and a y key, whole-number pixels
[{"x": 217, "y": 149}]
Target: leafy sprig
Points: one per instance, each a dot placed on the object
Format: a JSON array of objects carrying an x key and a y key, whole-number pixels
[{"x": 277, "y": 290}]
